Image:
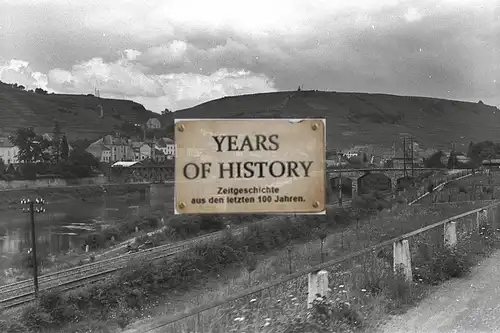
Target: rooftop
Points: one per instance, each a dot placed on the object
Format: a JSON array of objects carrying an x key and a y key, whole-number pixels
[{"x": 124, "y": 164}]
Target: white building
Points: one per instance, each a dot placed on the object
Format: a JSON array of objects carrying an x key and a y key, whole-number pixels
[
  {"x": 167, "y": 146},
  {"x": 110, "y": 149},
  {"x": 8, "y": 152},
  {"x": 153, "y": 123}
]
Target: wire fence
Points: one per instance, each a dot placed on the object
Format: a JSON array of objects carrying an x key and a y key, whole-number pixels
[{"x": 353, "y": 277}]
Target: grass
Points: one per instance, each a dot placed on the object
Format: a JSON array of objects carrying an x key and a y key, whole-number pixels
[
  {"x": 230, "y": 255},
  {"x": 363, "y": 292},
  {"x": 176, "y": 228},
  {"x": 269, "y": 238},
  {"x": 109, "y": 242},
  {"x": 469, "y": 189},
  {"x": 359, "y": 118},
  {"x": 104, "y": 239},
  {"x": 77, "y": 114},
  {"x": 351, "y": 117}
]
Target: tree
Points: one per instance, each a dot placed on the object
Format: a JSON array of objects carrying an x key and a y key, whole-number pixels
[
  {"x": 56, "y": 143},
  {"x": 64, "y": 148},
  {"x": 10, "y": 170},
  {"x": 434, "y": 161},
  {"x": 41, "y": 91},
  {"x": 469, "y": 150},
  {"x": 32, "y": 147},
  {"x": 452, "y": 161},
  {"x": 79, "y": 164}
]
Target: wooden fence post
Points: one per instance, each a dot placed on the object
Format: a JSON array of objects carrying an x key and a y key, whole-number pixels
[
  {"x": 402, "y": 259},
  {"x": 450, "y": 234},
  {"x": 317, "y": 284},
  {"x": 481, "y": 218}
]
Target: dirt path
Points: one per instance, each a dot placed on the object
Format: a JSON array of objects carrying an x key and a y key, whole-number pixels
[{"x": 469, "y": 305}]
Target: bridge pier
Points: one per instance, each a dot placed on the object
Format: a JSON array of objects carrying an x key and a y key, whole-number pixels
[
  {"x": 143, "y": 194},
  {"x": 354, "y": 187},
  {"x": 161, "y": 196},
  {"x": 355, "y": 174},
  {"x": 394, "y": 183},
  {"x": 329, "y": 190}
]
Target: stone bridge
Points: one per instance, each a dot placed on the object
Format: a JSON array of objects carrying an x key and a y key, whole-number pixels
[
  {"x": 335, "y": 176},
  {"x": 143, "y": 174},
  {"x": 164, "y": 173}
]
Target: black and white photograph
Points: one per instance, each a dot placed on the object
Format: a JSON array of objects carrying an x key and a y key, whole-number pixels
[{"x": 279, "y": 166}]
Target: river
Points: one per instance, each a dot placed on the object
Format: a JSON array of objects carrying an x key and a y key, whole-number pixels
[{"x": 60, "y": 228}]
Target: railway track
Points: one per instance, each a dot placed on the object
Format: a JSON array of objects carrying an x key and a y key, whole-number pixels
[{"x": 19, "y": 293}]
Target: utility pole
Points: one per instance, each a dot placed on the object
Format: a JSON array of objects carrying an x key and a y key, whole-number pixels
[
  {"x": 34, "y": 206},
  {"x": 412, "y": 160},
  {"x": 404, "y": 157},
  {"x": 452, "y": 155},
  {"x": 340, "y": 182}
]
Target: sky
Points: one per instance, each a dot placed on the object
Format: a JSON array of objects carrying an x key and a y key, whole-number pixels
[{"x": 179, "y": 53}]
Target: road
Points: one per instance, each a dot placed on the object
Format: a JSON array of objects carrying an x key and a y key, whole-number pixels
[{"x": 467, "y": 305}]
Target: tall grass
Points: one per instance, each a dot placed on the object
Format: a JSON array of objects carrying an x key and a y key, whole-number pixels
[{"x": 124, "y": 295}]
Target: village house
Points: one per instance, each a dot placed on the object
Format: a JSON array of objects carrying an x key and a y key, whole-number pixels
[
  {"x": 148, "y": 151},
  {"x": 8, "y": 152},
  {"x": 50, "y": 137},
  {"x": 153, "y": 123},
  {"x": 167, "y": 146},
  {"x": 110, "y": 149}
]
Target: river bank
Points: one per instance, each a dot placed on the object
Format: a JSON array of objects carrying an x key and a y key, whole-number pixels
[{"x": 10, "y": 199}]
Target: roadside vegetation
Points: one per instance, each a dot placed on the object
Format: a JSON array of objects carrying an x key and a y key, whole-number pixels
[
  {"x": 366, "y": 304},
  {"x": 118, "y": 300},
  {"x": 151, "y": 229}
]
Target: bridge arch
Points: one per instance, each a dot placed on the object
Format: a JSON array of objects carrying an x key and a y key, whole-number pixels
[
  {"x": 346, "y": 186},
  {"x": 404, "y": 182},
  {"x": 374, "y": 181}
]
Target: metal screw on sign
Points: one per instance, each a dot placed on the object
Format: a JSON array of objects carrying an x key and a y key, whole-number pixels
[
  {"x": 315, "y": 126},
  {"x": 182, "y": 205},
  {"x": 181, "y": 128},
  {"x": 316, "y": 204}
]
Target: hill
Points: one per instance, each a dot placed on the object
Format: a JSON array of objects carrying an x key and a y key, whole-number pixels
[
  {"x": 78, "y": 115},
  {"x": 352, "y": 118},
  {"x": 362, "y": 118}
]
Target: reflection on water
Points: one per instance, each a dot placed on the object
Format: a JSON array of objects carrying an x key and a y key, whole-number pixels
[{"x": 59, "y": 229}]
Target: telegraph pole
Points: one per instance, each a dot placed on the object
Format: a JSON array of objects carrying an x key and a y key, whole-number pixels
[
  {"x": 34, "y": 206},
  {"x": 340, "y": 182},
  {"x": 404, "y": 157},
  {"x": 412, "y": 160},
  {"x": 452, "y": 155}
]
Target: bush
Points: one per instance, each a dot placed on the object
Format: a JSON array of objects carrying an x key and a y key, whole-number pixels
[
  {"x": 95, "y": 241},
  {"x": 36, "y": 319},
  {"x": 25, "y": 260},
  {"x": 28, "y": 171},
  {"x": 12, "y": 327},
  {"x": 327, "y": 315},
  {"x": 99, "y": 240},
  {"x": 118, "y": 296}
]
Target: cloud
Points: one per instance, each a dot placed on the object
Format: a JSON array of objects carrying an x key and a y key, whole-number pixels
[
  {"x": 170, "y": 52},
  {"x": 413, "y": 15},
  {"x": 20, "y": 72},
  {"x": 132, "y": 54},
  {"x": 122, "y": 79}
]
